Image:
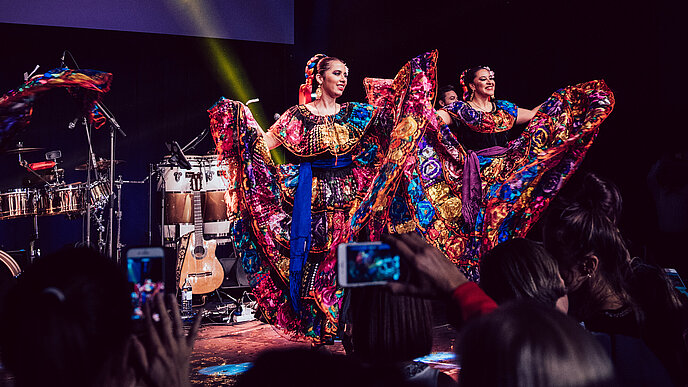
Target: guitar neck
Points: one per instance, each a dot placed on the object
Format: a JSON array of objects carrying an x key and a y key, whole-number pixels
[{"x": 198, "y": 218}]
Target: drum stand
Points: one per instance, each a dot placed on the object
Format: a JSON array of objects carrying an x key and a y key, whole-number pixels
[
  {"x": 91, "y": 160},
  {"x": 161, "y": 188},
  {"x": 93, "y": 210},
  {"x": 118, "y": 213},
  {"x": 101, "y": 230},
  {"x": 118, "y": 183},
  {"x": 34, "y": 251}
]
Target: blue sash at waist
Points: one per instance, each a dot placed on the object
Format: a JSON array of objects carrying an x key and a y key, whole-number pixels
[{"x": 300, "y": 235}]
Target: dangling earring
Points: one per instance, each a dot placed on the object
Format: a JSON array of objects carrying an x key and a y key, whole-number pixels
[{"x": 318, "y": 93}]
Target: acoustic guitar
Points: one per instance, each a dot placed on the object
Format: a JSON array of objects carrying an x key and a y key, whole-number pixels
[{"x": 199, "y": 265}]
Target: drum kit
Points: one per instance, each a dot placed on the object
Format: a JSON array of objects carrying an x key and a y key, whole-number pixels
[
  {"x": 46, "y": 193},
  {"x": 96, "y": 199},
  {"x": 55, "y": 197}
]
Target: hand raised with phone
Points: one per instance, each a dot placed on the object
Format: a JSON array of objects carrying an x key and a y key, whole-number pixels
[
  {"x": 430, "y": 273},
  {"x": 164, "y": 360}
]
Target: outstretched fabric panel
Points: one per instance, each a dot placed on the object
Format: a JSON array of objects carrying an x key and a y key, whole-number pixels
[{"x": 16, "y": 106}]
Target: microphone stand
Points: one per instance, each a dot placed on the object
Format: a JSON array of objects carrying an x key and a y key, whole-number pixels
[
  {"x": 113, "y": 126},
  {"x": 92, "y": 166},
  {"x": 197, "y": 140}
]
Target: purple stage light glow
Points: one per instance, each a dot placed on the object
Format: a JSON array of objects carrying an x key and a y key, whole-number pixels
[{"x": 256, "y": 20}]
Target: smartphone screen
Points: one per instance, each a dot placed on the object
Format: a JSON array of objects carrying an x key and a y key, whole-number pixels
[
  {"x": 367, "y": 263},
  {"x": 145, "y": 275}
]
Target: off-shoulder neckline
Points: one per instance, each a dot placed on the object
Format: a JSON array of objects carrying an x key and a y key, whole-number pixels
[{"x": 306, "y": 112}]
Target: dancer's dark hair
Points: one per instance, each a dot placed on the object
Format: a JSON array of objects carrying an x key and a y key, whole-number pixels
[
  {"x": 444, "y": 90},
  {"x": 467, "y": 77},
  {"x": 323, "y": 64}
]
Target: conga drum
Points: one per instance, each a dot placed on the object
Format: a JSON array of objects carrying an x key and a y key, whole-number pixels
[{"x": 175, "y": 185}]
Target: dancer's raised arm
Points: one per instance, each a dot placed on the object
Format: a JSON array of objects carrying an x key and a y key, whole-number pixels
[
  {"x": 525, "y": 115},
  {"x": 270, "y": 139}
]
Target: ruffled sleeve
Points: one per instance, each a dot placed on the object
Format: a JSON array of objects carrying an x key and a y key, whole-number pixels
[
  {"x": 508, "y": 107},
  {"x": 288, "y": 127}
]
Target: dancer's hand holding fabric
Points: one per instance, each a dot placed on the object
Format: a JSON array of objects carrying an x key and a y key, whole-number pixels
[
  {"x": 431, "y": 274},
  {"x": 164, "y": 361}
]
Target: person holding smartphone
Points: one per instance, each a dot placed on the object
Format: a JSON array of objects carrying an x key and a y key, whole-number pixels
[{"x": 72, "y": 311}]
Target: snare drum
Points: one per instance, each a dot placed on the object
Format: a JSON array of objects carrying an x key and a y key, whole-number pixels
[
  {"x": 65, "y": 199},
  {"x": 18, "y": 202}
]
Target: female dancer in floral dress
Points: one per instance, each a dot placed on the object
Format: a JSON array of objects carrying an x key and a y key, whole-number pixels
[
  {"x": 340, "y": 157},
  {"x": 476, "y": 181}
]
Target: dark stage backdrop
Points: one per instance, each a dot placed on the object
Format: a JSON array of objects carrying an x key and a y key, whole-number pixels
[{"x": 163, "y": 84}]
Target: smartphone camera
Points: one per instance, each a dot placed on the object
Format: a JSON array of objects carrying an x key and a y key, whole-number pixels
[{"x": 367, "y": 263}]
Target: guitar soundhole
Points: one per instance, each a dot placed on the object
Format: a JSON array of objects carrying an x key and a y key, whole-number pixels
[{"x": 199, "y": 251}]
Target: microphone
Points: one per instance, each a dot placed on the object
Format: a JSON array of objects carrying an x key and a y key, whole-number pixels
[
  {"x": 27, "y": 75},
  {"x": 62, "y": 62},
  {"x": 250, "y": 101},
  {"x": 276, "y": 116},
  {"x": 72, "y": 124}
]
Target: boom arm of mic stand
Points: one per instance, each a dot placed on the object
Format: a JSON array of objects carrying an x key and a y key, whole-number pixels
[
  {"x": 110, "y": 118},
  {"x": 193, "y": 143}
]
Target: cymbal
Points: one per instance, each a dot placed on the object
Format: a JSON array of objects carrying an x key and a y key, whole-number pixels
[
  {"x": 22, "y": 149},
  {"x": 100, "y": 165}
]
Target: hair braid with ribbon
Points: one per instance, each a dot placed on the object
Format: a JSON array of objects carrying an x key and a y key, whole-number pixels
[{"x": 306, "y": 89}]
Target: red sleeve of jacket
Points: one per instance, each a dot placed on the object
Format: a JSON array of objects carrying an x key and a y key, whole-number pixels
[{"x": 472, "y": 301}]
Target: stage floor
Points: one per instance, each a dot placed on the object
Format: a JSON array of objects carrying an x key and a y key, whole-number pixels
[{"x": 219, "y": 345}]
